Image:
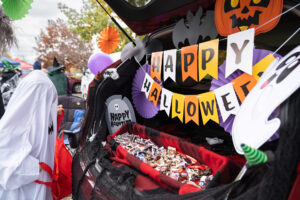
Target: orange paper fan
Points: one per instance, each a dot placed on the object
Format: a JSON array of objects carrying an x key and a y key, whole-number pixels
[{"x": 108, "y": 40}]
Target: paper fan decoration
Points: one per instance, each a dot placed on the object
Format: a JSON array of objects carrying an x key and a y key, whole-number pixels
[
  {"x": 16, "y": 9},
  {"x": 143, "y": 106},
  {"x": 258, "y": 54},
  {"x": 108, "y": 40}
]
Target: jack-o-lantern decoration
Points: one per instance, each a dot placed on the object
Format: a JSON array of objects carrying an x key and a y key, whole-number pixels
[{"x": 232, "y": 16}]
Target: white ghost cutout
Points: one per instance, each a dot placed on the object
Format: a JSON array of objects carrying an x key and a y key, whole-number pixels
[{"x": 281, "y": 79}]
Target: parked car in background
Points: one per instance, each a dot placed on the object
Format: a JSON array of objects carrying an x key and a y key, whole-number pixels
[
  {"x": 87, "y": 77},
  {"x": 75, "y": 81}
]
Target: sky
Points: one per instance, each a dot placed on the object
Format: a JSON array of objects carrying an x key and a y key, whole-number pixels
[{"x": 30, "y": 26}]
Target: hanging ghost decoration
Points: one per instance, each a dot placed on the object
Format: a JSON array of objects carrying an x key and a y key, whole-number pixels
[{"x": 252, "y": 125}]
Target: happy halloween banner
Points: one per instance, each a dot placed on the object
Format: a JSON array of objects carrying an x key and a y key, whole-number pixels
[
  {"x": 200, "y": 60},
  {"x": 187, "y": 107}
]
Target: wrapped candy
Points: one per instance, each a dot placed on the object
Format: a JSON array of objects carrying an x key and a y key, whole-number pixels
[{"x": 170, "y": 162}]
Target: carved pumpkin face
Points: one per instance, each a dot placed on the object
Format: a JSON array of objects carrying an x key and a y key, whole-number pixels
[{"x": 232, "y": 16}]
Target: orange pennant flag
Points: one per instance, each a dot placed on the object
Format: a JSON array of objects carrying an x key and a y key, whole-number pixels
[
  {"x": 191, "y": 109},
  {"x": 261, "y": 66},
  {"x": 189, "y": 62},
  {"x": 243, "y": 84},
  {"x": 154, "y": 93},
  {"x": 208, "y": 59},
  {"x": 178, "y": 106},
  {"x": 156, "y": 62},
  {"x": 208, "y": 107}
]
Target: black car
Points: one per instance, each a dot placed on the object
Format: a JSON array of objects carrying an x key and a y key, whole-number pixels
[{"x": 95, "y": 175}]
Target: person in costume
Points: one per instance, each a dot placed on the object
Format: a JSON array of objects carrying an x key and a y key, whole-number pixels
[
  {"x": 58, "y": 78},
  {"x": 27, "y": 137},
  {"x": 37, "y": 65},
  {"x": 7, "y": 40}
]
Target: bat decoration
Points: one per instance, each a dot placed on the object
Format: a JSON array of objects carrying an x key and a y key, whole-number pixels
[
  {"x": 141, "y": 49},
  {"x": 194, "y": 27}
]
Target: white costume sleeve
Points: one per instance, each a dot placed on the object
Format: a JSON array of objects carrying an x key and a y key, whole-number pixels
[{"x": 23, "y": 128}]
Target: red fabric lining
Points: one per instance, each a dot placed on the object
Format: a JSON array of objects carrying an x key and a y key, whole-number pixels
[
  {"x": 238, "y": 159},
  {"x": 148, "y": 170},
  {"x": 117, "y": 164},
  {"x": 142, "y": 135},
  {"x": 171, "y": 183},
  {"x": 169, "y": 140},
  {"x": 143, "y": 183},
  {"x": 213, "y": 160},
  {"x": 121, "y": 130},
  {"x": 157, "y": 140},
  {"x": 121, "y": 156},
  {"x": 295, "y": 193},
  {"x": 192, "y": 150},
  {"x": 139, "y": 129},
  {"x": 216, "y": 162},
  {"x": 188, "y": 188}
]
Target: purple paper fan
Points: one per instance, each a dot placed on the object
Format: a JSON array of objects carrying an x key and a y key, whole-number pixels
[
  {"x": 143, "y": 106},
  {"x": 258, "y": 54}
]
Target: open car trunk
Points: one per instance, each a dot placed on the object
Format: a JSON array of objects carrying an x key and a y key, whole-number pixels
[
  {"x": 92, "y": 151},
  {"x": 95, "y": 177},
  {"x": 103, "y": 170}
]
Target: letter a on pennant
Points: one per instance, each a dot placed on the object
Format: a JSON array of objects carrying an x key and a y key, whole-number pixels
[
  {"x": 191, "y": 109},
  {"x": 178, "y": 106},
  {"x": 170, "y": 64},
  {"x": 240, "y": 52},
  {"x": 189, "y": 62},
  {"x": 166, "y": 100},
  {"x": 147, "y": 85},
  {"x": 208, "y": 59},
  {"x": 243, "y": 84},
  {"x": 156, "y": 62},
  {"x": 154, "y": 93},
  {"x": 227, "y": 101},
  {"x": 208, "y": 107}
]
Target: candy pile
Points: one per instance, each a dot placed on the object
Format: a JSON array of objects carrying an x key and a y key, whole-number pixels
[{"x": 174, "y": 164}]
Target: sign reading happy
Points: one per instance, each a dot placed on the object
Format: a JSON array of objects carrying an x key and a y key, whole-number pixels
[{"x": 118, "y": 112}]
